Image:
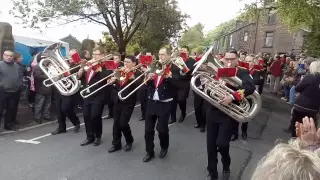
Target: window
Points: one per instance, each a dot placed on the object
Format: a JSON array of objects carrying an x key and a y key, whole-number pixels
[
  {"x": 245, "y": 37},
  {"x": 272, "y": 16},
  {"x": 230, "y": 40},
  {"x": 269, "y": 39}
]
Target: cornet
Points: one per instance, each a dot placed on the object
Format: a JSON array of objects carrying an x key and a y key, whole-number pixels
[{"x": 215, "y": 90}]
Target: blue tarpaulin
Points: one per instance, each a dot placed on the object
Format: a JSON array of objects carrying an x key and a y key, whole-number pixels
[{"x": 28, "y": 46}]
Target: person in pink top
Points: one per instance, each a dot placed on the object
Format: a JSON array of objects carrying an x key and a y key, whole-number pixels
[{"x": 276, "y": 71}]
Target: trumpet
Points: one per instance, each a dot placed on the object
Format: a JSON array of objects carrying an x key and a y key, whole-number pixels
[{"x": 89, "y": 63}]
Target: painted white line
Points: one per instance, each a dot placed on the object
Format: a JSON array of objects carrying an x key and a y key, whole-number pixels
[{"x": 33, "y": 141}]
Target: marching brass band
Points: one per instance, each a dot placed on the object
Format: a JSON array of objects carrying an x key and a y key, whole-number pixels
[{"x": 224, "y": 95}]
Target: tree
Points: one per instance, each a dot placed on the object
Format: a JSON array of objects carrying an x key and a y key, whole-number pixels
[
  {"x": 193, "y": 37},
  {"x": 122, "y": 18},
  {"x": 163, "y": 25},
  {"x": 216, "y": 33},
  {"x": 108, "y": 43}
]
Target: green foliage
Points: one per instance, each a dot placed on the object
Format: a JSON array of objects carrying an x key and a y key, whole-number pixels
[
  {"x": 312, "y": 41},
  {"x": 199, "y": 49},
  {"x": 122, "y": 18},
  {"x": 133, "y": 48},
  {"x": 193, "y": 37},
  {"x": 108, "y": 43},
  {"x": 163, "y": 25},
  {"x": 216, "y": 33}
]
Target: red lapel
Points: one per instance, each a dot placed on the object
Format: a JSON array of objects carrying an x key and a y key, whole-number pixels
[
  {"x": 252, "y": 71},
  {"x": 155, "y": 80},
  {"x": 166, "y": 72}
]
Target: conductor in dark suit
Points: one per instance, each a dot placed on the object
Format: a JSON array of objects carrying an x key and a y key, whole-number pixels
[
  {"x": 93, "y": 105},
  {"x": 160, "y": 97},
  {"x": 182, "y": 87},
  {"x": 219, "y": 124}
]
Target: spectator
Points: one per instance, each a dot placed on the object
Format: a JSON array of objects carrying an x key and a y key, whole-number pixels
[
  {"x": 292, "y": 161},
  {"x": 43, "y": 94},
  {"x": 289, "y": 78},
  {"x": 10, "y": 84},
  {"x": 308, "y": 102},
  {"x": 275, "y": 69}
]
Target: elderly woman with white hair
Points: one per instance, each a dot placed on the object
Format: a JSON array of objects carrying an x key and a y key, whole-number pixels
[
  {"x": 297, "y": 160},
  {"x": 308, "y": 102}
]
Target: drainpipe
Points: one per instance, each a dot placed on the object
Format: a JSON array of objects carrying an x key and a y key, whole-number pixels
[{"x": 256, "y": 34}]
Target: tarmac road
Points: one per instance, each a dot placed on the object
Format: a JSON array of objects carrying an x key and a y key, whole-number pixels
[{"x": 61, "y": 157}]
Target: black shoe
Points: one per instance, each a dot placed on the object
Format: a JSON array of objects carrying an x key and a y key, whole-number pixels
[
  {"x": 142, "y": 119},
  {"x": 182, "y": 117},
  {"x": 226, "y": 175},
  {"x": 148, "y": 157},
  {"x": 202, "y": 129},
  {"x": 76, "y": 128},
  {"x": 163, "y": 153},
  {"x": 97, "y": 142},
  {"x": 114, "y": 149},
  {"x": 128, "y": 147},
  {"x": 172, "y": 121},
  {"x": 212, "y": 177},
  {"x": 47, "y": 118},
  {"x": 39, "y": 121},
  {"x": 87, "y": 142},
  {"x": 58, "y": 131},
  {"x": 244, "y": 135},
  {"x": 197, "y": 126},
  {"x": 11, "y": 128},
  {"x": 234, "y": 137}
]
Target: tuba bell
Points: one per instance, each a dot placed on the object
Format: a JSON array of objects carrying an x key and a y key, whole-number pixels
[
  {"x": 215, "y": 90},
  {"x": 54, "y": 65}
]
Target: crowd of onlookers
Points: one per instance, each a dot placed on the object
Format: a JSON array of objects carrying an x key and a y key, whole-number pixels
[{"x": 18, "y": 80}]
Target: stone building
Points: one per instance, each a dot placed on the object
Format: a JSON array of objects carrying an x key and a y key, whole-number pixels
[
  {"x": 74, "y": 43},
  {"x": 266, "y": 35}
]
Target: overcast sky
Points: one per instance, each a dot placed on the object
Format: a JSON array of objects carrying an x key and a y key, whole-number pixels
[{"x": 208, "y": 12}]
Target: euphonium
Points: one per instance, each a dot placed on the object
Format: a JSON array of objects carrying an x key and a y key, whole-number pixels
[
  {"x": 53, "y": 65},
  {"x": 215, "y": 90}
]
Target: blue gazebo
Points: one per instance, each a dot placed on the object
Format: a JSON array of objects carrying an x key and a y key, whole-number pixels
[{"x": 27, "y": 46}]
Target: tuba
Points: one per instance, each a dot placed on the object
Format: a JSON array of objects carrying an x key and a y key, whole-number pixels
[
  {"x": 215, "y": 90},
  {"x": 54, "y": 65}
]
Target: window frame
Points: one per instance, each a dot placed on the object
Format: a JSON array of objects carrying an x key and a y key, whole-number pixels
[{"x": 266, "y": 37}]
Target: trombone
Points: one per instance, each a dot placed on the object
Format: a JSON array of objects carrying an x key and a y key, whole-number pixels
[
  {"x": 132, "y": 82},
  {"x": 90, "y": 62},
  {"x": 85, "y": 93}
]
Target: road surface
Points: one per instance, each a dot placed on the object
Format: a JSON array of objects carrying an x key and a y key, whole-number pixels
[{"x": 36, "y": 155}]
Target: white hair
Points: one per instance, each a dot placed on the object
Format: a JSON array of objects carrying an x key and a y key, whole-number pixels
[
  {"x": 315, "y": 67},
  {"x": 292, "y": 161}
]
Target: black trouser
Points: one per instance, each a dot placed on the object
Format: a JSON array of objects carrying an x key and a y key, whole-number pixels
[
  {"x": 235, "y": 127},
  {"x": 143, "y": 100},
  {"x": 182, "y": 105},
  {"x": 261, "y": 83},
  {"x": 199, "y": 110},
  {"x": 121, "y": 120},
  {"x": 157, "y": 111},
  {"x": 65, "y": 108},
  {"x": 31, "y": 96},
  {"x": 110, "y": 93},
  {"x": 8, "y": 102},
  {"x": 15, "y": 110},
  {"x": 218, "y": 138},
  {"x": 92, "y": 113},
  {"x": 297, "y": 116}
]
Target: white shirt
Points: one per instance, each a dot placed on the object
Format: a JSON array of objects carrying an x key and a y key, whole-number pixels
[{"x": 156, "y": 95}]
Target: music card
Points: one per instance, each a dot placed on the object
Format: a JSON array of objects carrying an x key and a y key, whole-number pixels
[
  {"x": 76, "y": 58},
  {"x": 226, "y": 72}
]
